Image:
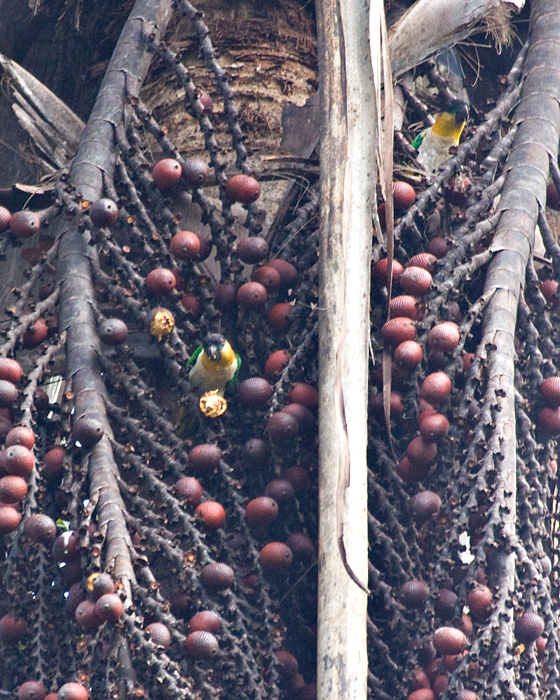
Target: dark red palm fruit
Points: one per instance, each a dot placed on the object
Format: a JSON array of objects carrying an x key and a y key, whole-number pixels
[
  {"x": 540, "y": 646},
  {"x": 109, "y": 607},
  {"x": 12, "y": 629},
  {"x": 438, "y": 360},
  {"x": 201, "y": 645},
  {"x": 5, "y": 427},
  {"x": 180, "y": 605},
  {"x": 408, "y": 354},
  {"x": 404, "y": 195},
  {"x": 205, "y": 250},
  {"x": 159, "y": 635},
  {"x": 398, "y": 330},
  {"x": 196, "y": 173},
  {"x": 5, "y": 218},
  {"x": 256, "y": 452},
  {"x": 422, "y": 694},
  {"x": 18, "y": 460},
  {"x": 425, "y": 505},
  {"x": 379, "y": 271},
  {"x": 452, "y": 661},
  {"x": 71, "y": 572},
  {"x": 45, "y": 290},
  {"x": 435, "y": 388},
  {"x": 40, "y": 399},
  {"x": 113, "y": 331},
  {"x": 100, "y": 584},
  {"x": 217, "y": 576},
  {"x": 261, "y": 511},
  {"x": 548, "y": 419},
  {"x": 104, "y": 212},
  {"x": 32, "y": 690},
  {"x": 252, "y": 295},
  {"x": 528, "y": 628},
  {"x": 35, "y": 334},
  {"x": 413, "y": 594},
  {"x": 279, "y": 316},
  {"x": 167, "y": 172},
  {"x": 445, "y": 603},
  {"x": 66, "y": 547},
  {"x": 306, "y": 419},
  {"x": 276, "y": 363},
  {"x": 282, "y": 427},
  {"x": 275, "y": 557},
  {"x": 252, "y": 250},
  {"x": 438, "y": 246},
  {"x": 10, "y": 518},
  {"x": 191, "y": 304},
  {"x": 468, "y": 359},
  {"x": 160, "y": 281},
  {"x": 448, "y": 640},
  {"x": 86, "y": 615},
  {"x": 406, "y": 306},
  {"x": 205, "y": 621},
  {"x": 185, "y": 245},
  {"x": 479, "y": 601},
  {"x": 243, "y": 188},
  {"x": 440, "y": 685},
  {"x": 302, "y": 546},
  {"x": 225, "y": 297},
  {"x": 550, "y": 391},
  {"x": 53, "y": 463},
  {"x": 467, "y": 695},
  {"x": 13, "y": 489},
  {"x": 415, "y": 281},
  {"x": 75, "y": 597},
  {"x": 419, "y": 679},
  {"x": 211, "y": 514},
  {"x": 281, "y": 490},
  {"x": 268, "y": 277},
  {"x": 434, "y": 427},
  {"x": 396, "y": 406},
  {"x": 411, "y": 473},
  {"x": 24, "y": 224},
  {"x": 181, "y": 284},
  {"x": 298, "y": 478},
  {"x": 552, "y": 198},
  {"x": 40, "y": 528},
  {"x": 288, "y": 272},
  {"x": 189, "y": 490},
  {"x": 305, "y": 395},
  {"x": 205, "y": 457},
  {"x": 287, "y": 663},
  {"x": 425, "y": 260},
  {"x": 73, "y": 691},
  {"x": 20, "y": 435},
  {"x": 444, "y": 337},
  {"x": 295, "y": 683},
  {"x": 420, "y": 452},
  {"x": 10, "y": 370},
  {"x": 254, "y": 392},
  {"x": 466, "y": 626},
  {"x": 87, "y": 430},
  {"x": 206, "y": 102},
  {"x": 549, "y": 290}
]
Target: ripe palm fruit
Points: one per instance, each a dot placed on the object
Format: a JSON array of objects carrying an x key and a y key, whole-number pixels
[
  {"x": 159, "y": 634},
  {"x": 217, "y": 576},
  {"x": 40, "y": 528},
  {"x": 415, "y": 281},
  {"x": 406, "y": 305},
  {"x": 408, "y": 354},
  {"x": 413, "y": 594},
  {"x": 205, "y": 457},
  {"x": 528, "y": 628},
  {"x": 73, "y": 691},
  {"x": 12, "y": 628},
  {"x": 252, "y": 250},
  {"x": 252, "y": 295},
  {"x": 448, "y": 640},
  {"x": 424, "y": 260},
  {"x": 268, "y": 277},
  {"x": 444, "y": 336},
  {"x": 243, "y": 188},
  {"x": 160, "y": 281},
  {"x": 434, "y": 427},
  {"x": 189, "y": 490},
  {"x": 421, "y": 453},
  {"x": 24, "y": 224},
  {"x": 254, "y": 392},
  {"x": 398, "y": 330},
  {"x": 435, "y": 388},
  {"x": 32, "y": 690},
  {"x": 275, "y": 557},
  {"x": 35, "y": 334},
  {"x": 380, "y": 271},
  {"x": 5, "y": 218},
  {"x": 167, "y": 172},
  {"x": 276, "y": 363},
  {"x": 86, "y": 615},
  {"x": 113, "y": 331},
  {"x": 403, "y": 195},
  {"x": 12, "y": 489},
  {"x": 195, "y": 172},
  {"x": 261, "y": 511},
  {"x": 87, "y": 430},
  {"x": 212, "y": 515},
  {"x": 282, "y": 427},
  {"x": 479, "y": 601},
  {"x": 550, "y": 391},
  {"x": 100, "y": 584},
  {"x": 424, "y": 506},
  {"x": 10, "y": 518},
  {"x": 205, "y": 621},
  {"x": 20, "y": 435},
  {"x": 10, "y": 370},
  {"x": 109, "y": 607},
  {"x": 103, "y": 212},
  {"x": 18, "y": 460},
  {"x": 201, "y": 645},
  {"x": 185, "y": 245}
]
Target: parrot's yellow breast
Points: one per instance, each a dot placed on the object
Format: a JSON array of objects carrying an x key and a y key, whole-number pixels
[
  {"x": 447, "y": 127},
  {"x": 227, "y": 356}
]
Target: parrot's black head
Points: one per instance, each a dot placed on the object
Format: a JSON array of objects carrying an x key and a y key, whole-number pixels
[
  {"x": 213, "y": 345},
  {"x": 460, "y": 109}
]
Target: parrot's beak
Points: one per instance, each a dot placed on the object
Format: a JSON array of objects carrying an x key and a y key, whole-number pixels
[
  {"x": 462, "y": 114},
  {"x": 213, "y": 352}
]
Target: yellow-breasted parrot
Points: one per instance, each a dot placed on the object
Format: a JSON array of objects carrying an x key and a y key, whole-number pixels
[
  {"x": 214, "y": 366},
  {"x": 434, "y": 143}
]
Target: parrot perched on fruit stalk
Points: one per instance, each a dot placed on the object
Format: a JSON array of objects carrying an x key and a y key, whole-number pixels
[
  {"x": 214, "y": 366},
  {"x": 434, "y": 143}
]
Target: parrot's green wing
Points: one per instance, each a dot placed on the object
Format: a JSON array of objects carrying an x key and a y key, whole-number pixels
[
  {"x": 233, "y": 381},
  {"x": 193, "y": 357},
  {"x": 418, "y": 140}
]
